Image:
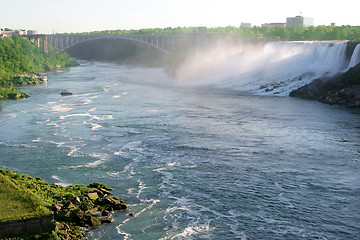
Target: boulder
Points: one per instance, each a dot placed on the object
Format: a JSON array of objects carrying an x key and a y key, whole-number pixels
[
  {"x": 65, "y": 93},
  {"x": 113, "y": 203},
  {"x": 70, "y": 205},
  {"x": 57, "y": 207},
  {"x": 94, "y": 222},
  {"x": 77, "y": 200},
  {"x": 62, "y": 226},
  {"x": 93, "y": 195},
  {"x": 99, "y": 186},
  {"x": 104, "y": 191}
]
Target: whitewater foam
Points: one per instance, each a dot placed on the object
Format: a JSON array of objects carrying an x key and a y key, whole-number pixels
[
  {"x": 355, "y": 58},
  {"x": 61, "y": 182},
  {"x": 75, "y": 115},
  {"x": 190, "y": 231},
  {"x": 60, "y": 108},
  {"x": 274, "y": 68},
  {"x": 150, "y": 206}
]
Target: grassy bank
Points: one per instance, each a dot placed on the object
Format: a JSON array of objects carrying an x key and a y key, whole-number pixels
[
  {"x": 17, "y": 202},
  {"x": 25, "y": 197}
]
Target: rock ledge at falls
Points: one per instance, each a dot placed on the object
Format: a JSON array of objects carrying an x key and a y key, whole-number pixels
[{"x": 343, "y": 89}]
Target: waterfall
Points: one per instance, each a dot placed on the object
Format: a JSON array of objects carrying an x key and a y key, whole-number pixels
[
  {"x": 355, "y": 58},
  {"x": 271, "y": 68}
]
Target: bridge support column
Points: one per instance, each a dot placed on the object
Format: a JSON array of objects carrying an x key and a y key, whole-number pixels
[
  {"x": 61, "y": 42},
  {"x": 45, "y": 44},
  {"x": 37, "y": 41}
]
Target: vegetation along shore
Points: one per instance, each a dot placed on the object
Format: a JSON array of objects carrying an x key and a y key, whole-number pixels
[
  {"x": 31, "y": 208},
  {"x": 21, "y": 62}
]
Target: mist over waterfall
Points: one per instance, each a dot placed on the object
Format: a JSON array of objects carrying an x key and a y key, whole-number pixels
[{"x": 272, "y": 68}]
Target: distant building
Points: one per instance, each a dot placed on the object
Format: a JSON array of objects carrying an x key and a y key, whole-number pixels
[
  {"x": 20, "y": 32},
  {"x": 32, "y": 32},
  {"x": 272, "y": 25},
  {"x": 247, "y": 25},
  {"x": 7, "y": 33},
  {"x": 299, "y": 21},
  {"x": 333, "y": 24}
]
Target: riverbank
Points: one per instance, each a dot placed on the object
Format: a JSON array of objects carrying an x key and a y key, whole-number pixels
[
  {"x": 342, "y": 90},
  {"x": 12, "y": 93},
  {"x": 21, "y": 62},
  {"x": 53, "y": 212}
]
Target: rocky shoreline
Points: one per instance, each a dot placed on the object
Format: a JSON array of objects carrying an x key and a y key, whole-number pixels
[
  {"x": 88, "y": 210},
  {"x": 73, "y": 209},
  {"x": 343, "y": 89}
]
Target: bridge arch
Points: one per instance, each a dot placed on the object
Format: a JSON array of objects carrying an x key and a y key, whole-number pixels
[{"x": 163, "y": 43}]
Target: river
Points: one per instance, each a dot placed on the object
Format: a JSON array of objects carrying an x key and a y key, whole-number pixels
[{"x": 191, "y": 163}]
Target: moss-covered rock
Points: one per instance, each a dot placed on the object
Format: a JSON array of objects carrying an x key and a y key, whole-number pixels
[
  {"x": 12, "y": 93},
  {"x": 72, "y": 207}
]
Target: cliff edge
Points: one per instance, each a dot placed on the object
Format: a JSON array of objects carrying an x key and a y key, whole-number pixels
[{"x": 343, "y": 89}]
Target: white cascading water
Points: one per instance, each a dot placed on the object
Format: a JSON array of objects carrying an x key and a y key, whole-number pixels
[
  {"x": 273, "y": 68},
  {"x": 355, "y": 58}
]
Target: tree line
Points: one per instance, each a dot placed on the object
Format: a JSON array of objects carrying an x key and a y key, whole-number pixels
[{"x": 300, "y": 33}]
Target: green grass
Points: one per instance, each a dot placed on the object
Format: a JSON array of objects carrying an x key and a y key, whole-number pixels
[
  {"x": 22, "y": 197},
  {"x": 18, "y": 203},
  {"x": 38, "y": 189}
]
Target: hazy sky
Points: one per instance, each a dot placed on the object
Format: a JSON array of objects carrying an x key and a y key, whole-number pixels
[{"x": 89, "y": 15}]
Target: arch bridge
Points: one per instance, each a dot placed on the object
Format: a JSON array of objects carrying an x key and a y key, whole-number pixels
[{"x": 55, "y": 43}]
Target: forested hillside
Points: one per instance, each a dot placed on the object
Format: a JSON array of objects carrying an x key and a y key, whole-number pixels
[
  {"x": 20, "y": 60},
  {"x": 319, "y": 33}
]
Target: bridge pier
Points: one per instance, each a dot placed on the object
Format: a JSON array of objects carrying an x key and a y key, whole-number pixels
[
  {"x": 45, "y": 44},
  {"x": 37, "y": 42}
]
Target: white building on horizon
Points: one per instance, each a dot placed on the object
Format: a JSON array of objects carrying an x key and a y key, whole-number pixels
[
  {"x": 247, "y": 25},
  {"x": 299, "y": 21},
  {"x": 272, "y": 25}
]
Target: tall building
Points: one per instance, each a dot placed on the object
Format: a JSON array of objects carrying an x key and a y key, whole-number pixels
[{"x": 299, "y": 21}]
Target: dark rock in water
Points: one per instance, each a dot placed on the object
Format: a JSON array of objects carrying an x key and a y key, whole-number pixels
[
  {"x": 65, "y": 93},
  {"x": 113, "y": 203},
  {"x": 343, "y": 89},
  {"x": 94, "y": 222},
  {"x": 100, "y": 186}
]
